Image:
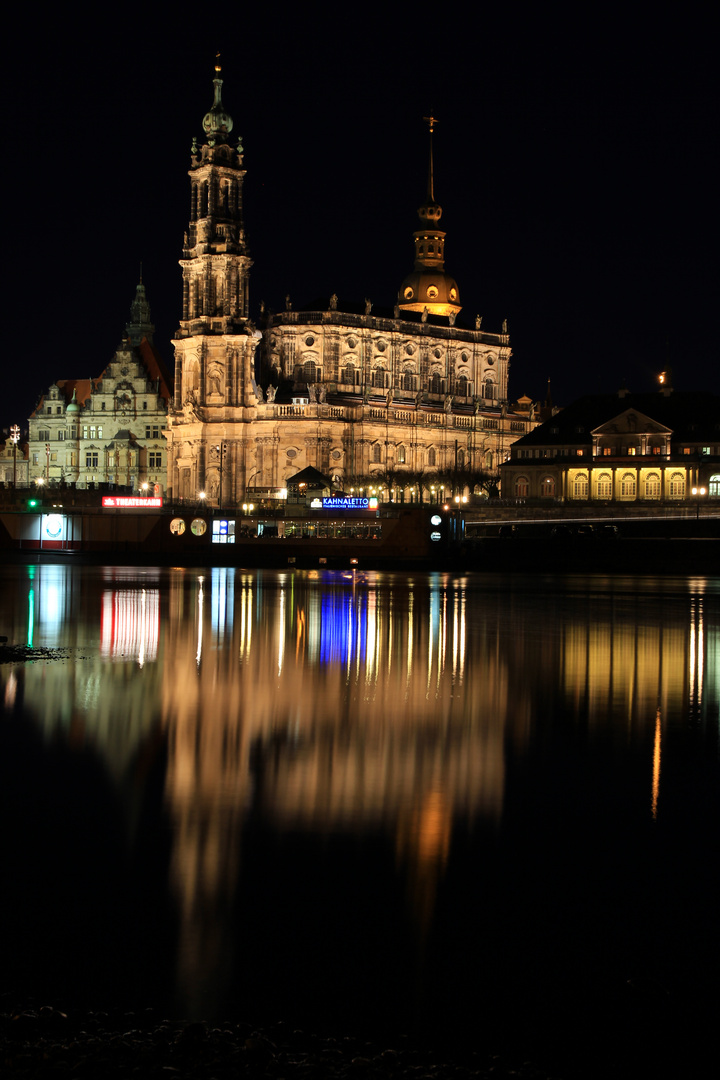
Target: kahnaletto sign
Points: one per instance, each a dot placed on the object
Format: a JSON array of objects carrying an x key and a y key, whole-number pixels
[
  {"x": 132, "y": 502},
  {"x": 342, "y": 502}
]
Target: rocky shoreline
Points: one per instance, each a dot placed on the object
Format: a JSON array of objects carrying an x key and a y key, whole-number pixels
[{"x": 45, "y": 1041}]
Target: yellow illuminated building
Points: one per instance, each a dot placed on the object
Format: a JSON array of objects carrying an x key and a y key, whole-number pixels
[{"x": 358, "y": 392}]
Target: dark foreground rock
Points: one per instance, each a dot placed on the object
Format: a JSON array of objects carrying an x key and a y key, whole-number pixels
[{"x": 44, "y": 1041}]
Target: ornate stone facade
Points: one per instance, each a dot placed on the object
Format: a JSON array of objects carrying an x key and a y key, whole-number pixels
[
  {"x": 107, "y": 430},
  {"x": 360, "y": 394}
]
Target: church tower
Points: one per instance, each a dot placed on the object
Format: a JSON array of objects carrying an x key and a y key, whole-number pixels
[
  {"x": 215, "y": 344},
  {"x": 429, "y": 288}
]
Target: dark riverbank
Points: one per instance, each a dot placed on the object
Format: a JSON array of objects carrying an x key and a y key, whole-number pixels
[{"x": 652, "y": 1038}]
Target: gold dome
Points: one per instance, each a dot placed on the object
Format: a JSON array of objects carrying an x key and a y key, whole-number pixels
[{"x": 431, "y": 289}]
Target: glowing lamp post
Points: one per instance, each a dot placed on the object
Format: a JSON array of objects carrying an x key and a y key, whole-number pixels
[{"x": 698, "y": 493}]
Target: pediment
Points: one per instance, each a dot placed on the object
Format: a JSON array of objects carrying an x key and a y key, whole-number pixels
[{"x": 631, "y": 422}]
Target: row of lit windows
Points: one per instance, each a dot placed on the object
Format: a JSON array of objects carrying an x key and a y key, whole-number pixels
[
  {"x": 92, "y": 460},
  {"x": 103, "y": 405},
  {"x": 91, "y": 432},
  {"x": 409, "y": 382},
  {"x": 580, "y": 488}
]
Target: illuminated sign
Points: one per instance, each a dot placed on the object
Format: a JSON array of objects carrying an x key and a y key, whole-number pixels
[
  {"x": 341, "y": 502},
  {"x": 53, "y": 526},
  {"x": 131, "y": 502}
]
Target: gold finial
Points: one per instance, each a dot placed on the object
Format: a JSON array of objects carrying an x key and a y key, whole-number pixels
[
  {"x": 218, "y": 66},
  {"x": 431, "y": 121}
]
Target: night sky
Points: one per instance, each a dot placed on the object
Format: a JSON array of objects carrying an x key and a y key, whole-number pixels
[{"x": 576, "y": 163}]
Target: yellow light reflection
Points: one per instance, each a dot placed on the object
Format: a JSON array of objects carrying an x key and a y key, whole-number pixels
[{"x": 656, "y": 764}]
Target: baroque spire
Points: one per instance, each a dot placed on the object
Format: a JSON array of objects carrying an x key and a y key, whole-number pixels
[
  {"x": 217, "y": 124},
  {"x": 429, "y": 288}
]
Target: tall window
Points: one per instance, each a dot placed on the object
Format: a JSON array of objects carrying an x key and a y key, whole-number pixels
[
  {"x": 435, "y": 384},
  {"x": 379, "y": 378},
  {"x": 431, "y": 458},
  {"x": 489, "y": 390},
  {"x": 91, "y": 461},
  {"x": 604, "y": 486},
  {"x": 522, "y": 487},
  {"x": 401, "y": 454},
  {"x": 714, "y": 488},
  {"x": 627, "y": 486},
  {"x": 580, "y": 486},
  {"x": 377, "y": 454},
  {"x": 547, "y": 487},
  {"x": 408, "y": 381},
  {"x": 652, "y": 486},
  {"x": 154, "y": 461},
  {"x": 461, "y": 386},
  {"x": 348, "y": 374},
  {"x": 677, "y": 485},
  {"x": 309, "y": 371}
]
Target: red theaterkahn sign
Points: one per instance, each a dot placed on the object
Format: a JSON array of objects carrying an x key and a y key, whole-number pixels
[{"x": 131, "y": 502}]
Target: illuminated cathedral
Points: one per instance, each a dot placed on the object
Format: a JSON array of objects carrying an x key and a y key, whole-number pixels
[{"x": 402, "y": 399}]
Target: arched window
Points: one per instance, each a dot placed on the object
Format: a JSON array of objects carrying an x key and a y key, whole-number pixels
[
  {"x": 408, "y": 381},
  {"x": 435, "y": 385},
  {"x": 714, "y": 486},
  {"x": 580, "y": 486},
  {"x": 348, "y": 374},
  {"x": 309, "y": 370},
  {"x": 522, "y": 487},
  {"x": 431, "y": 457},
  {"x": 401, "y": 454},
  {"x": 489, "y": 459},
  {"x": 677, "y": 485},
  {"x": 461, "y": 459},
  {"x": 652, "y": 485},
  {"x": 376, "y": 453},
  {"x": 547, "y": 487},
  {"x": 627, "y": 486},
  {"x": 489, "y": 390},
  {"x": 378, "y": 380},
  {"x": 604, "y": 486},
  {"x": 461, "y": 386}
]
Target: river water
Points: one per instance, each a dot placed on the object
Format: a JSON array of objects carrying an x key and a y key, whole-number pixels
[{"x": 426, "y": 802}]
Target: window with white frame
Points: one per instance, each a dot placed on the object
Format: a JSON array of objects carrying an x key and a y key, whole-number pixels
[
  {"x": 580, "y": 486},
  {"x": 677, "y": 485},
  {"x": 652, "y": 486},
  {"x": 604, "y": 486}
]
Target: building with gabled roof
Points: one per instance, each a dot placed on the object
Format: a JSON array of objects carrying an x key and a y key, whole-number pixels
[
  {"x": 107, "y": 431},
  {"x": 620, "y": 449}
]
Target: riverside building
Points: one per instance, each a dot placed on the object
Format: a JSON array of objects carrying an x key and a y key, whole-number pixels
[
  {"x": 410, "y": 400},
  {"x": 106, "y": 431}
]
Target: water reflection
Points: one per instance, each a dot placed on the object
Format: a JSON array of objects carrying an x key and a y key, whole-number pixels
[{"x": 343, "y": 704}]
